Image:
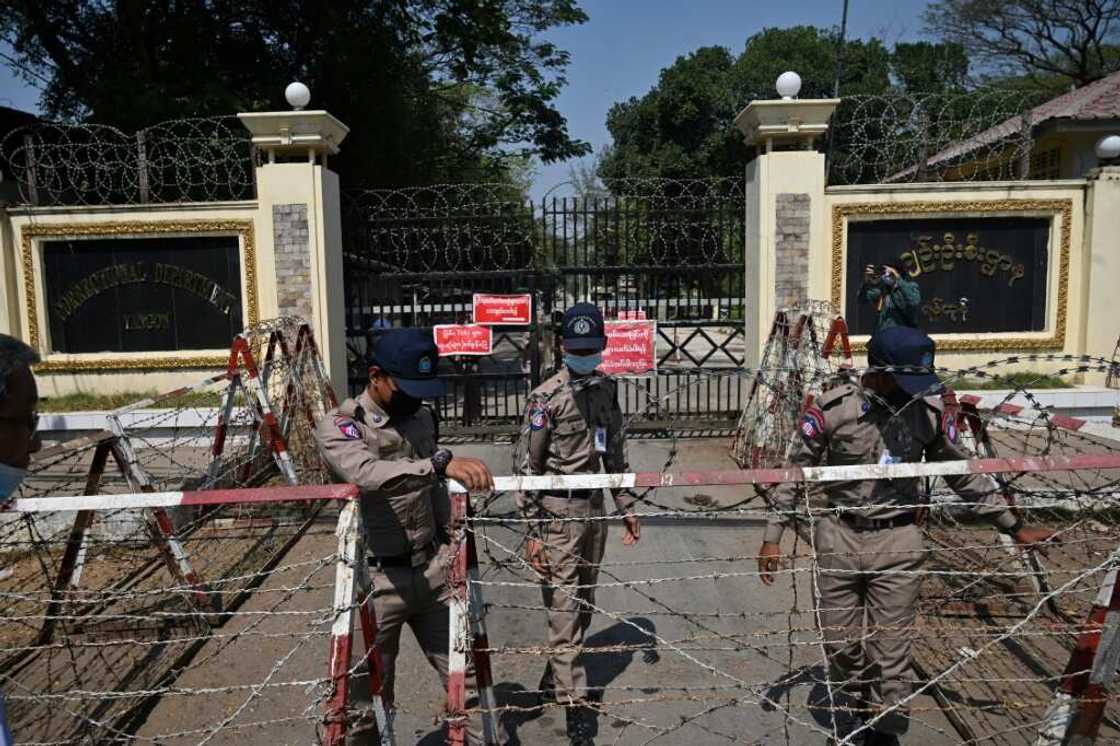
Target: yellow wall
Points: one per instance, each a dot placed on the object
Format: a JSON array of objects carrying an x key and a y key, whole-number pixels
[{"x": 988, "y": 199}]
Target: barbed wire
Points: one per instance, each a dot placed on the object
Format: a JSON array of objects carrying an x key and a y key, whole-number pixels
[
  {"x": 983, "y": 135},
  {"x": 181, "y": 160}
]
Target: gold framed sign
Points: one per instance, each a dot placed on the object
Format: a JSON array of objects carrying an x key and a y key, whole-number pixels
[
  {"x": 122, "y": 295},
  {"x": 991, "y": 272}
]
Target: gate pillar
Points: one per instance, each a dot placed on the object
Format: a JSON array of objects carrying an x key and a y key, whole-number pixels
[
  {"x": 785, "y": 222},
  {"x": 299, "y": 252}
]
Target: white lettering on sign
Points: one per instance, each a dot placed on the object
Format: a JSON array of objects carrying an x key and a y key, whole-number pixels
[
  {"x": 631, "y": 348},
  {"x": 463, "y": 339},
  {"x": 507, "y": 310}
]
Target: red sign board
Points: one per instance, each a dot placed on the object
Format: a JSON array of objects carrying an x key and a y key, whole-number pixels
[
  {"x": 631, "y": 347},
  {"x": 463, "y": 339},
  {"x": 514, "y": 310}
]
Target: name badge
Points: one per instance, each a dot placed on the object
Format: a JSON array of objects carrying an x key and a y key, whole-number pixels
[{"x": 601, "y": 439}]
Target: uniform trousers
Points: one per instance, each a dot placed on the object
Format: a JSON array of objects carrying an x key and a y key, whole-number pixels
[
  {"x": 869, "y": 594},
  {"x": 573, "y": 550},
  {"x": 417, "y": 597}
]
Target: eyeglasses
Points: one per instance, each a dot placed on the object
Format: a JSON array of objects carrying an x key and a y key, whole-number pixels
[{"x": 31, "y": 422}]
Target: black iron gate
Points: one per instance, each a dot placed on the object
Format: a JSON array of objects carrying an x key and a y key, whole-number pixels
[{"x": 670, "y": 249}]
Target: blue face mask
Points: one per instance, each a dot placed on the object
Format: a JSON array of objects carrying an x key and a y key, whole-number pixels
[
  {"x": 581, "y": 365},
  {"x": 10, "y": 478}
]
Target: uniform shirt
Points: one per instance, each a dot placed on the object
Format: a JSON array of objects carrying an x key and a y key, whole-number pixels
[
  {"x": 845, "y": 428},
  {"x": 390, "y": 461},
  {"x": 563, "y": 415}
]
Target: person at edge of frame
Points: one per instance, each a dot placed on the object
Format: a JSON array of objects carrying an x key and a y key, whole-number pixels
[
  {"x": 869, "y": 545},
  {"x": 895, "y": 296},
  {"x": 385, "y": 442},
  {"x": 574, "y": 425},
  {"x": 19, "y": 438}
]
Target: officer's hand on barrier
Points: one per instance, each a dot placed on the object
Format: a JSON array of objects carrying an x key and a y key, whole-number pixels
[
  {"x": 534, "y": 554},
  {"x": 1032, "y": 538},
  {"x": 631, "y": 531},
  {"x": 471, "y": 473},
  {"x": 768, "y": 559}
]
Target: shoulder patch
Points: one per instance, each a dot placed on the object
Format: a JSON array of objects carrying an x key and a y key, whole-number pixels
[
  {"x": 538, "y": 416},
  {"x": 812, "y": 423},
  {"x": 347, "y": 427}
]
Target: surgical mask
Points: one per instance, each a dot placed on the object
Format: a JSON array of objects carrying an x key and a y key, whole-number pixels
[
  {"x": 581, "y": 365},
  {"x": 10, "y": 479},
  {"x": 402, "y": 405}
]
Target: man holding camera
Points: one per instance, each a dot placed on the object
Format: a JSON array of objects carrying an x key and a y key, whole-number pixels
[{"x": 895, "y": 296}]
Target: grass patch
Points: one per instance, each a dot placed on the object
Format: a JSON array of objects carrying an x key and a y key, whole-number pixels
[
  {"x": 1029, "y": 380},
  {"x": 84, "y": 402}
]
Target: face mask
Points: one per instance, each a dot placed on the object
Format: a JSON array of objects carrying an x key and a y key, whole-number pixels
[
  {"x": 402, "y": 405},
  {"x": 581, "y": 365},
  {"x": 10, "y": 478}
]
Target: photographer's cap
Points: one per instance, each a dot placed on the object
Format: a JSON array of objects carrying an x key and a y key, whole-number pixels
[
  {"x": 410, "y": 356},
  {"x": 582, "y": 328},
  {"x": 906, "y": 347}
]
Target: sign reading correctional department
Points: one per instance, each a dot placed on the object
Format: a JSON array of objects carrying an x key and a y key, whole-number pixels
[
  {"x": 976, "y": 275},
  {"x": 142, "y": 294}
]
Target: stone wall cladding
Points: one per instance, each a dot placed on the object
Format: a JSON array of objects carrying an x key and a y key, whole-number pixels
[
  {"x": 791, "y": 237},
  {"x": 293, "y": 259}
]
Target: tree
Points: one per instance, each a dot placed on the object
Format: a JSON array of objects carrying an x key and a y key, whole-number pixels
[
  {"x": 683, "y": 127},
  {"x": 1075, "y": 40},
  {"x": 434, "y": 90},
  {"x": 925, "y": 67}
]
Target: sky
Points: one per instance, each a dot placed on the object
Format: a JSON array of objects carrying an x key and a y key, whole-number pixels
[{"x": 621, "y": 50}]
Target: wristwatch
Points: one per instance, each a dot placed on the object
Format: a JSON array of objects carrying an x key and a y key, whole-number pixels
[{"x": 440, "y": 461}]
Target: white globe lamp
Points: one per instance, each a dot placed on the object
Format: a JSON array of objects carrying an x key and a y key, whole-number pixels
[
  {"x": 788, "y": 85},
  {"x": 298, "y": 95},
  {"x": 1108, "y": 148}
]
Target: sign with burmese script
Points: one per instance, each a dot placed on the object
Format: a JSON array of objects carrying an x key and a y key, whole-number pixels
[
  {"x": 462, "y": 339},
  {"x": 631, "y": 348},
  {"x": 503, "y": 310},
  {"x": 976, "y": 275},
  {"x": 143, "y": 294}
]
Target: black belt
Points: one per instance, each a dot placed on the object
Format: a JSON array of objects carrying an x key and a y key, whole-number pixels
[
  {"x": 411, "y": 559},
  {"x": 861, "y": 523},
  {"x": 572, "y": 494}
]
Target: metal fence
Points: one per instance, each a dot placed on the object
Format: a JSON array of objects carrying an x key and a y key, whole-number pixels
[
  {"x": 183, "y": 160},
  {"x": 672, "y": 249}
]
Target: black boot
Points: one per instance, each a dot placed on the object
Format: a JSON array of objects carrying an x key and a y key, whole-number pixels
[
  {"x": 579, "y": 725},
  {"x": 879, "y": 738}
]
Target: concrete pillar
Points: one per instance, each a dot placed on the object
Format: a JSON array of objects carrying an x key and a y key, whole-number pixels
[
  {"x": 300, "y": 203},
  {"x": 786, "y": 224},
  {"x": 1102, "y": 226}
]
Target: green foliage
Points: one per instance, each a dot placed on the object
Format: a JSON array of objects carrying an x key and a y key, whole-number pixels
[
  {"x": 86, "y": 402},
  {"x": 1025, "y": 380},
  {"x": 930, "y": 68},
  {"x": 435, "y": 90},
  {"x": 682, "y": 128}
]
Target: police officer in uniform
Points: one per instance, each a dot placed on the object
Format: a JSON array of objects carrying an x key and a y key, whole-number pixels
[
  {"x": 574, "y": 427},
  {"x": 385, "y": 442},
  {"x": 869, "y": 545}
]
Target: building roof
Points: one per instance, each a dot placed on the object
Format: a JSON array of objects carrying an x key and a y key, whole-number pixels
[{"x": 1097, "y": 100}]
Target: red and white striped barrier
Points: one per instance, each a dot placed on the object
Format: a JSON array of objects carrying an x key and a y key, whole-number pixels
[
  {"x": 467, "y": 630},
  {"x": 1013, "y": 410},
  {"x": 182, "y": 499},
  {"x": 351, "y": 593}
]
